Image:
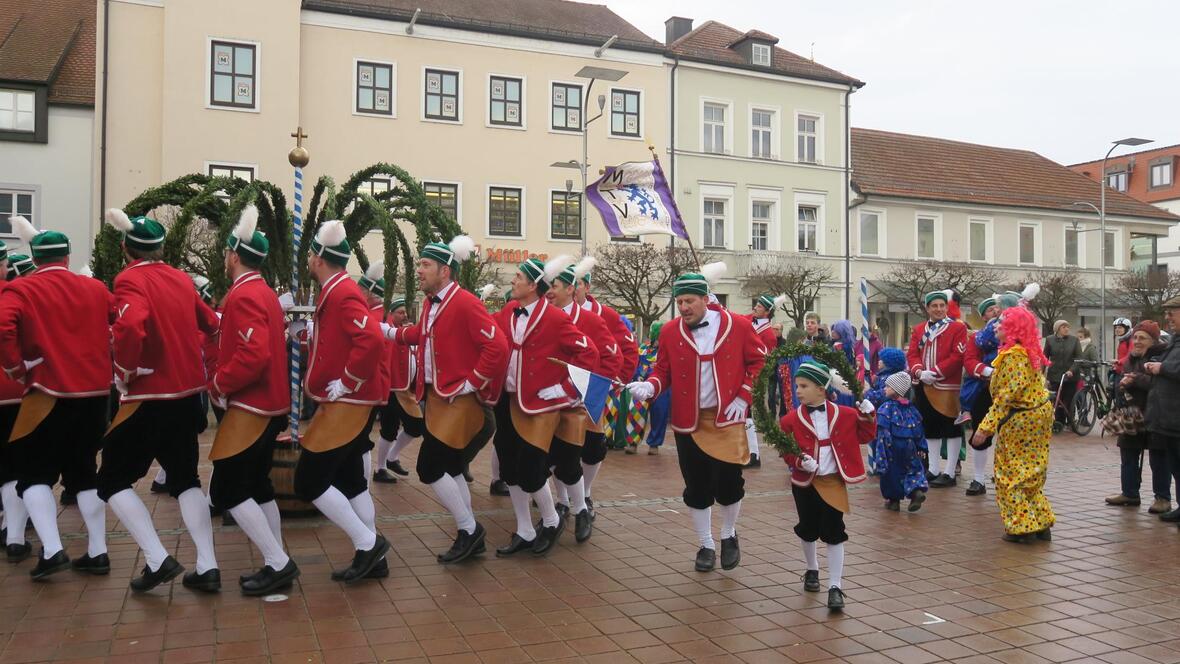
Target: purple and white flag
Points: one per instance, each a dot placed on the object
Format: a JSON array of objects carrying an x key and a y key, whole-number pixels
[{"x": 634, "y": 199}]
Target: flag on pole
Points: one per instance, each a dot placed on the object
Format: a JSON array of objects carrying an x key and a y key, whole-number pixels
[
  {"x": 633, "y": 198},
  {"x": 594, "y": 390}
]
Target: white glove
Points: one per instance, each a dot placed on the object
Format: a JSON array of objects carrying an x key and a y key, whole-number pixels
[
  {"x": 988, "y": 371},
  {"x": 927, "y": 376},
  {"x": 295, "y": 328},
  {"x": 336, "y": 389},
  {"x": 736, "y": 410},
  {"x": 219, "y": 400},
  {"x": 552, "y": 393},
  {"x": 121, "y": 386},
  {"x": 866, "y": 407},
  {"x": 286, "y": 301},
  {"x": 29, "y": 364},
  {"x": 140, "y": 371},
  {"x": 641, "y": 390},
  {"x": 388, "y": 330},
  {"x": 807, "y": 464}
]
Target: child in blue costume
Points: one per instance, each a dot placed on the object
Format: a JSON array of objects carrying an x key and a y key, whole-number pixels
[
  {"x": 899, "y": 437},
  {"x": 889, "y": 362}
]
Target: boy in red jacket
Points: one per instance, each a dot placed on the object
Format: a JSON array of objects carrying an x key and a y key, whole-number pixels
[{"x": 829, "y": 438}]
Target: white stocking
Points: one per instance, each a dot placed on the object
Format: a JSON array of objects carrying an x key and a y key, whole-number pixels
[
  {"x": 194, "y": 511},
  {"x": 135, "y": 518},
  {"x": 253, "y": 522},
  {"x": 835, "y": 564},
  {"x": 952, "y": 455},
  {"x": 43, "y": 511},
  {"x": 15, "y": 514},
  {"x": 524, "y": 518},
  {"x": 94, "y": 513},
  {"x": 729, "y": 515},
  {"x": 339, "y": 511},
  {"x": 810, "y": 555},
  {"x": 702, "y": 523}
]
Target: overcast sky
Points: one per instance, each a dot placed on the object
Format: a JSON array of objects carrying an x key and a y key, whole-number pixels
[{"x": 1062, "y": 78}]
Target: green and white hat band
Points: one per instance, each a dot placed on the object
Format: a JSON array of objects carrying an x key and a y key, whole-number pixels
[
  {"x": 768, "y": 302},
  {"x": 816, "y": 372},
  {"x": 579, "y": 270},
  {"x": 19, "y": 265},
  {"x": 42, "y": 244},
  {"x": 141, "y": 233},
  {"x": 3, "y": 250},
  {"x": 459, "y": 249},
  {"x": 935, "y": 295},
  {"x": 246, "y": 239},
  {"x": 331, "y": 244},
  {"x": 204, "y": 288},
  {"x": 690, "y": 283},
  {"x": 375, "y": 287},
  {"x": 986, "y": 304},
  {"x": 534, "y": 269},
  {"x": 397, "y": 303}
]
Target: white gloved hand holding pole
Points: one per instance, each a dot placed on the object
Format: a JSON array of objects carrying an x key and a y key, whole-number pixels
[
  {"x": 736, "y": 410},
  {"x": 641, "y": 390}
]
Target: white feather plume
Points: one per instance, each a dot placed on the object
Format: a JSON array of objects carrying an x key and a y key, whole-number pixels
[
  {"x": 376, "y": 271},
  {"x": 86, "y": 271},
  {"x": 247, "y": 223},
  {"x": 780, "y": 300},
  {"x": 118, "y": 219},
  {"x": 950, "y": 294},
  {"x": 1031, "y": 291},
  {"x": 331, "y": 233},
  {"x": 462, "y": 246},
  {"x": 838, "y": 383},
  {"x": 714, "y": 271},
  {"x": 23, "y": 228},
  {"x": 555, "y": 266},
  {"x": 486, "y": 291},
  {"x": 584, "y": 267}
]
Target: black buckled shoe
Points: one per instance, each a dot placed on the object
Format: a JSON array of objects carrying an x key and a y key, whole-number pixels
[
  {"x": 396, "y": 466},
  {"x": 916, "y": 501},
  {"x": 547, "y": 537},
  {"x": 498, "y": 488},
  {"x": 811, "y": 581},
  {"x": 754, "y": 462},
  {"x": 466, "y": 545},
  {"x": 47, "y": 566},
  {"x": 706, "y": 560},
  {"x": 835, "y": 599},
  {"x": 731, "y": 553},
  {"x": 208, "y": 582},
  {"x": 268, "y": 580},
  {"x": 169, "y": 570},
  {"x": 976, "y": 489},
  {"x": 363, "y": 562},
  {"x": 18, "y": 552},
  {"x": 384, "y": 476},
  {"x": 380, "y": 570},
  {"x": 99, "y": 565},
  {"x": 583, "y": 526},
  {"x": 943, "y": 481},
  {"x": 514, "y": 546}
]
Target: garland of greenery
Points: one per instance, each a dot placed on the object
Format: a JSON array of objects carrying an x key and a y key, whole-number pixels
[{"x": 764, "y": 421}]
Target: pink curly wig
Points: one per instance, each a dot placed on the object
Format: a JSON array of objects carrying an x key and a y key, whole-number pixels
[{"x": 1020, "y": 327}]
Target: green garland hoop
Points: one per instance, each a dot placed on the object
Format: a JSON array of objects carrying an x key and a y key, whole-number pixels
[{"x": 764, "y": 421}]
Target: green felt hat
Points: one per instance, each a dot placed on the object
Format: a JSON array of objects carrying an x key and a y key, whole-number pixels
[
  {"x": 19, "y": 265},
  {"x": 816, "y": 372},
  {"x": 397, "y": 303},
  {"x": 42, "y": 244},
  {"x": 452, "y": 253},
  {"x": 246, "y": 240},
  {"x": 373, "y": 280},
  {"x": 140, "y": 233},
  {"x": 3, "y": 250},
  {"x": 580, "y": 270},
  {"x": 331, "y": 244},
  {"x": 690, "y": 283},
  {"x": 544, "y": 274},
  {"x": 936, "y": 295},
  {"x": 984, "y": 305}
]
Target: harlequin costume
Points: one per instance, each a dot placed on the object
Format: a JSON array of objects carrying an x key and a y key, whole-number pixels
[
  {"x": 898, "y": 443},
  {"x": 975, "y": 398},
  {"x": 55, "y": 343},
  {"x": 710, "y": 370},
  {"x": 829, "y": 437},
  {"x": 935, "y": 357},
  {"x": 461, "y": 355},
  {"x": 766, "y": 334}
]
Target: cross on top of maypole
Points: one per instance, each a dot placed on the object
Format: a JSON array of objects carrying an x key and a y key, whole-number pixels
[{"x": 298, "y": 155}]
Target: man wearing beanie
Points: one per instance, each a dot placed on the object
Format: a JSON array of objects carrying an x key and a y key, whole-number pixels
[
  {"x": 760, "y": 318},
  {"x": 55, "y": 340},
  {"x": 372, "y": 285},
  {"x": 1063, "y": 350},
  {"x": 708, "y": 359},
  {"x": 935, "y": 357},
  {"x": 401, "y": 417}
]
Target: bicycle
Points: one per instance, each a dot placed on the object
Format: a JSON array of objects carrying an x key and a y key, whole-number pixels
[{"x": 1092, "y": 402}]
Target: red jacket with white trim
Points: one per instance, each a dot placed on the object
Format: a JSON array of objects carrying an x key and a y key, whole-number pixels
[
  {"x": 738, "y": 356},
  {"x": 610, "y": 360},
  {"x": 400, "y": 379},
  {"x": 64, "y": 319},
  {"x": 465, "y": 345},
  {"x": 252, "y": 365},
  {"x": 628, "y": 347},
  {"x": 943, "y": 354},
  {"x": 11, "y": 391},
  {"x": 973, "y": 362},
  {"x": 765, "y": 332},
  {"x": 346, "y": 344},
  {"x": 846, "y": 433},
  {"x": 549, "y": 332}
]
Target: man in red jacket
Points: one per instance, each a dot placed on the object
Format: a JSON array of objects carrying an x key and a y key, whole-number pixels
[
  {"x": 54, "y": 340},
  {"x": 11, "y": 393},
  {"x": 250, "y": 385},
  {"x": 708, "y": 358},
  {"x": 460, "y": 353},
  {"x": 160, "y": 373},
  {"x": 344, "y": 377},
  {"x": 400, "y": 418},
  {"x": 536, "y": 390},
  {"x": 935, "y": 358},
  {"x": 761, "y": 317}
]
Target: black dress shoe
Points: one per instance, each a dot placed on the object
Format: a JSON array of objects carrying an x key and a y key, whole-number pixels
[
  {"x": 706, "y": 560},
  {"x": 169, "y": 570},
  {"x": 209, "y": 582},
  {"x": 583, "y": 526},
  {"x": 1015, "y": 539},
  {"x": 243, "y": 578},
  {"x": 514, "y": 546},
  {"x": 811, "y": 580},
  {"x": 18, "y": 552},
  {"x": 396, "y": 466},
  {"x": 916, "y": 501},
  {"x": 731, "y": 553},
  {"x": 498, "y": 488},
  {"x": 45, "y": 567},
  {"x": 547, "y": 538},
  {"x": 835, "y": 599},
  {"x": 99, "y": 565},
  {"x": 942, "y": 481},
  {"x": 976, "y": 489},
  {"x": 1045, "y": 535},
  {"x": 268, "y": 580},
  {"x": 380, "y": 570},
  {"x": 466, "y": 545},
  {"x": 1171, "y": 517},
  {"x": 467, "y": 474},
  {"x": 754, "y": 462},
  {"x": 384, "y": 476},
  {"x": 563, "y": 510},
  {"x": 157, "y": 487},
  {"x": 68, "y": 498},
  {"x": 363, "y": 562},
  {"x": 930, "y": 476},
  {"x": 893, "y": 505}
]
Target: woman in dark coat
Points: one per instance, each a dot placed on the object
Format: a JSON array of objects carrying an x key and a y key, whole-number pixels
[{"x": 1133, "y": 385}]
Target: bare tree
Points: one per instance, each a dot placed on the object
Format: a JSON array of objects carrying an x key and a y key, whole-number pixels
[
  {"x": 639, "y": 277},
  {"x": 798, "y": 278},
  {"x": 1059, "y": 291},
  {"x": 1150, "y": 289},
  {"x": 916, "y": 278}
]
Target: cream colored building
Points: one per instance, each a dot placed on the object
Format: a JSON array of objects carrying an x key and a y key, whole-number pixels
[{"x": 477, "y": 106}]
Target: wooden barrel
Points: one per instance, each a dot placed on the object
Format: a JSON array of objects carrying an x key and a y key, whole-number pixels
[{"x": 282, "y": 476}]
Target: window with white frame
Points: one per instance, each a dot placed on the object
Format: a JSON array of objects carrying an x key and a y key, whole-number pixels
[
  {"x": 760, "y": 54},
  {"x": 1027, "y": 240},
  {"x": 762, "y": 134},
  {"x": 1072, "y": 241},
  {"x": 565, "y": 215},
  {"x": 504, "y": 211},
  {"x": 1161, "y": 174},
  {"x": 445, "y": 195},
  {"x": 442, "y": 95},
  {"x": 807, "y": 228},
  {"x": 870, "y": 233},
  {"x": 624, "y": 113},
  {"x": 760, "y": 219},
  {"x": 978, "y": 240},
  {"x": 233, "y": 74},
  {"x": 374, "y": 88},
  {"x": 807, "y": 133},
  {"x": 15, "y": 202},
  {"x": 714, "y": 223},
  {"x": 714, "y": 128},
  {"x": 1109, "y": 253},
  {"x": 505, "y": 97},
  {"x": 1117, "y": 181},
  {"x": 927, "y": 237},
  {"x": 18, "y": 110},
  {"x": 567, "y": 107}
]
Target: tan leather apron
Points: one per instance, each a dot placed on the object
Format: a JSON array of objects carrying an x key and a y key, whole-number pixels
[
  {"x": 833, "y": 491},
  {"x": 126, "y": 410},
  {"x": 34, "y": 408},
  {"x": 453, "y": 423},
  {"x": 334, "y": 425},
  {"x": 536, "y": 430},
  {"x": 239, "y": 429},
  {"x": 408, "y": 403},
  {"x": 726, "y": 444}
]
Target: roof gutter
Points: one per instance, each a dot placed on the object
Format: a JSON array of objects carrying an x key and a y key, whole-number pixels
[
  {"x": 106, "y": 47},
  {"x": 672, "y": 138}
]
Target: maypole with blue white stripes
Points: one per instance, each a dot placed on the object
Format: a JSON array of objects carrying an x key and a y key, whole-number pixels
[
  {"x": 298, "y": 157},
  {"x": 865, "y": 326}
]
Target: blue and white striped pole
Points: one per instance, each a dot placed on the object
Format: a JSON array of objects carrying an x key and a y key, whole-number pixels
[
  {"x": 864, "y": 321},
  {"x": 298, "y": 158}
]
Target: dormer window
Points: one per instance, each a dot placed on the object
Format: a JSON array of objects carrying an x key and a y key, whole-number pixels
[{"x": 760, "y": 55}]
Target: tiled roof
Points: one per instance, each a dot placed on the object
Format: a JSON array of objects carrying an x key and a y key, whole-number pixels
[
  {"x": 50, "y": 41},
  {"x": 755, "y": 34},
  {"x": 556, "y": 20},
  {"x": 710, "y": 43},
  {"x": 903, "y": 165}
]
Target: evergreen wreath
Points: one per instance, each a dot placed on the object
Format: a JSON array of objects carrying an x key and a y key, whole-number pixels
[{"x": 765, "y": 421}]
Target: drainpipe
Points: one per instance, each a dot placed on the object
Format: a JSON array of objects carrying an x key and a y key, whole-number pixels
[
  {"x": 847, "y": 207},
  {"x": 672, "y": 140},
  {"x": 102, "y": 163}
]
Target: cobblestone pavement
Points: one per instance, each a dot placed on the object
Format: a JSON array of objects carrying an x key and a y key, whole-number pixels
[{"x": 937, "y": 585}]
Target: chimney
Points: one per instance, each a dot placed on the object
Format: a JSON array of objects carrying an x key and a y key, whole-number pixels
[{"x": 675, "y": 28}]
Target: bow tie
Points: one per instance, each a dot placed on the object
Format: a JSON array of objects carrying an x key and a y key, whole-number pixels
[
  {"x": 699, "y": 325},
  {"x": 436, "y": 299},
  {"x": 816, "y": 409},
  {"x": 520, "y": 311}
]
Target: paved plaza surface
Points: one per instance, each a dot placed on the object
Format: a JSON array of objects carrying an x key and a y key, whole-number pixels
[{"x": 938, "y": 585}]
